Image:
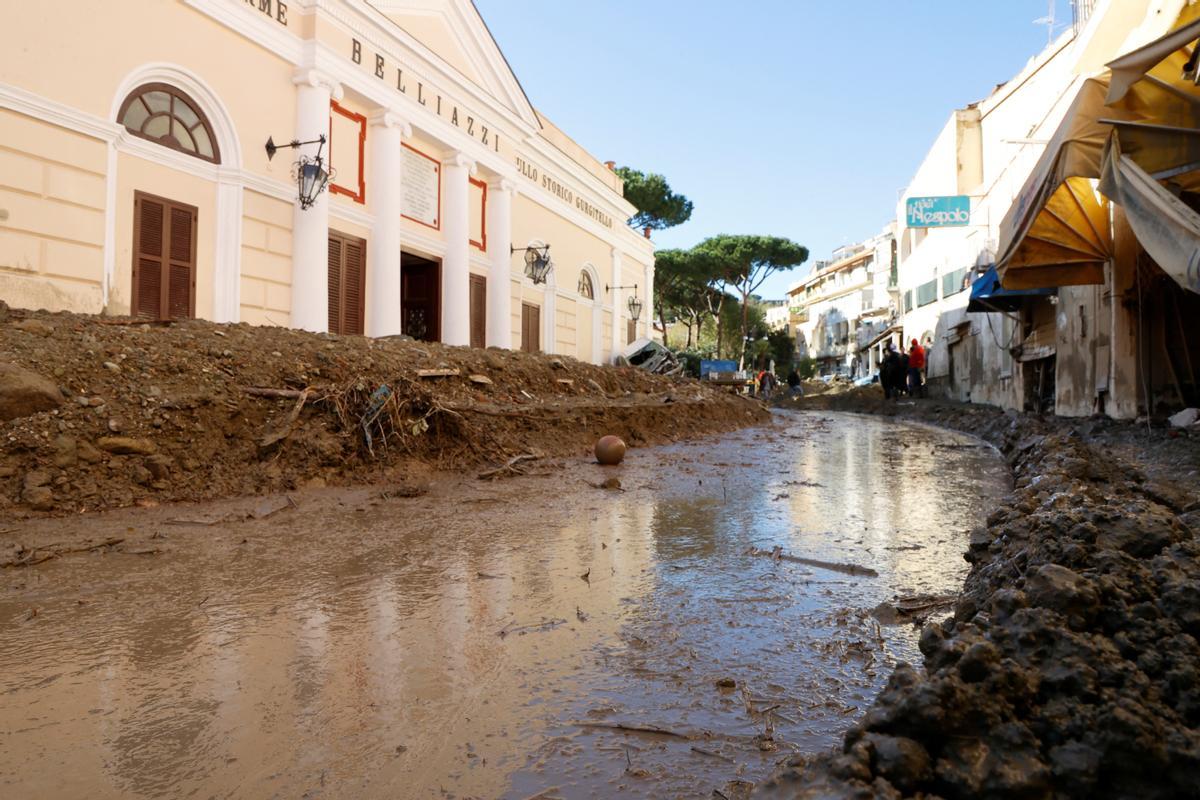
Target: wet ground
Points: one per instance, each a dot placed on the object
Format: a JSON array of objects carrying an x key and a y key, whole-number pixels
[{"x": 489, "y": 639}]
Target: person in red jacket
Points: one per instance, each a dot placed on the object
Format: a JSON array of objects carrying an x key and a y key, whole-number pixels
[{"x": 916, "y": 364}]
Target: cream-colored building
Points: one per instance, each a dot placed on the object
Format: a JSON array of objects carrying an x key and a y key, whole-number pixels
[{"x": 135, "y": 178}]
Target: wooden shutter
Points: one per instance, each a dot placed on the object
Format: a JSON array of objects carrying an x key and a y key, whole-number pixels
[
  {"x": 478, "y": 311},
  {"x": 335, "y": 283},
  {"x": 181, "y": 273},
  {"x": 530, "y": 328},
  {"x": 347, "y": 282},
  {"x": 630, "y": 331},
  {"x": 164, "y": 263},
  {"x": 353, "y": 282}
]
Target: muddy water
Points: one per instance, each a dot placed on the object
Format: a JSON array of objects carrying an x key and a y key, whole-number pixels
[{"x": 483, "y": 640}]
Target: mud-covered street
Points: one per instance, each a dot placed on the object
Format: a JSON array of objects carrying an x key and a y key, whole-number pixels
[{"x": 491, "y": 639}]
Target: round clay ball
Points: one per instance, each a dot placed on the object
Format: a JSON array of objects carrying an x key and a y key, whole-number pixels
[{"x": 610, "y": 450}]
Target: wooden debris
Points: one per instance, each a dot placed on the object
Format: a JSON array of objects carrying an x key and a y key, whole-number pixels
[
  {"x": 777, "y": 554},
  {"x": 650, "y": 729},
  {"x": 565, "y": 381},
  {"x": 509, "y": 468},
  {"x": 483, "y": 380},
  {"x": 438, "y": 373},
  {"x": 285, "y": 430}
]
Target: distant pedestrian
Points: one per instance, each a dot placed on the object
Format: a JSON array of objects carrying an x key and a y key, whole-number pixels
[
  {"x": 916, "y": 367},
  {"x": 889, "y": 368},
  {"x": 766, "y": 384},
  {"x": 794, "y": 384},
  {"x": 902, "y": 374}
]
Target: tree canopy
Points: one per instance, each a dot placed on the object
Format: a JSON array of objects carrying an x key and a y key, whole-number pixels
[
  {"x": 658, "y": 207},
  {"x": 747, "y": 261}
]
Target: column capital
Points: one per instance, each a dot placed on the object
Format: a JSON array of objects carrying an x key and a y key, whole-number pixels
[
  {"x": 307, "y": 76},
  {"x": 386, "y": 118},
  {"x": 459, "y": 159},
  {"x": 506, "y": 185}
]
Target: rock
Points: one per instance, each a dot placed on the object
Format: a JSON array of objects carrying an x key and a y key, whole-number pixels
[
  {"x": 140, "y": 475},
  {"x": 1058, "y": 588},
  {"x": 39, "y": 498},
  {"x": 159, "y": 466},
  {"x": 1185, "y": 418},
  {"x": 87, "y": 452},
  {"x": 902, "y": 761},
  {"x": 978, "y": 661},
  {"x": 114, "y": 425},
  {"x": 125, "y": 445},
  {"x": 726, "y": 683},
  {"x": 36, "y": 478},
  {"x": 112, "y": 367},
  {"x": 66, "y": 453},
  {"x": 34, "y": 326},
  {"x": 23, "y": 393}
]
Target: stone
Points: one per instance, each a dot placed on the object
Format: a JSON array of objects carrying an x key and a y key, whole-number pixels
[
  {"x": 140, "y": 475},
  {"x": 34, "y": 326},
  {"x": 126, "y": 445},
  {"x": 159, "y": 466},
  {"x": 39, "y": 498},
  {"x": 902, "y": 761},
  {"x": 23, "y": 393},
  {"x": 36, "y": 478},
  {"x": 66, "y": 453},
  {"x": 1062, "y": 590},
  {"x": 1185, "y": 418},
  {"x": 112, "y": 367},
  {"x": 979, "y": 660},
  {"x": 87, "y": 452}
]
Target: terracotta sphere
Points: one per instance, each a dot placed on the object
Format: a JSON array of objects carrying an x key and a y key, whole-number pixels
[{"x": 610, "y": 450}]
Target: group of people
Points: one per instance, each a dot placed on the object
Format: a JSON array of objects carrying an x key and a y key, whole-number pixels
[
  {"x": 765, "y": 383},
  {"x": 902, "y": 372}
]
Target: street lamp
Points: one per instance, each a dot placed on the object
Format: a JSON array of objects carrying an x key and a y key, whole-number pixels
[
  {"x": 310, "y": 174},
  {"x": 537, "y": 262},
  {"x": 635, "y": 307}
]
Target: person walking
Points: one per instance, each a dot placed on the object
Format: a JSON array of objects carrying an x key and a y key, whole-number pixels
[
  {"x": 793, "y": 382},
  {"x": 888, "y": 369},
  {"x": 766, "y": 384},
  {"x": 902, "y": 373},
  {"x": 916, "y": 367}
]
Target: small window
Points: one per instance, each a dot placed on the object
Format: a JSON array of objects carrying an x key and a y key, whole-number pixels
[
  {"x": 164, "y": 115},
  {"x": 586, "y": 289}
]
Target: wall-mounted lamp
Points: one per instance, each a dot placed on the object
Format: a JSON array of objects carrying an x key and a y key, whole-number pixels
[
  {"x": 633, "y": 304},
  {"x": 310, "y": 174},
  {"x": 537, "y": 262}
]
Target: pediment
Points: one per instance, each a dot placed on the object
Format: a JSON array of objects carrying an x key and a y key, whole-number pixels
[{"x": 456, "y": 34}]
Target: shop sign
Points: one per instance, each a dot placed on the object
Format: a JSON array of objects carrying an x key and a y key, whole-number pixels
[
  {"x": 938, "y": 212},
  {"x": 562, "y": 192}
]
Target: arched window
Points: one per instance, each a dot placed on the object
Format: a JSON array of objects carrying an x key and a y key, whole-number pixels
[
  {"x": 163, "y": 114},
  {"x": 586, "y": 289}
]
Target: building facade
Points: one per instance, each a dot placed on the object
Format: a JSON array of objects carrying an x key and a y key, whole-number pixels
[
  {"x": 134, "y": 178},
  {"x": 839, "y": 309}
]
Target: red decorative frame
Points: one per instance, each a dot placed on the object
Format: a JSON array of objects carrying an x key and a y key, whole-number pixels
[
  {"x": 361, "y": 195},
  {"x": 482, "y": 217},
  {"x": 437, "y": 166}
]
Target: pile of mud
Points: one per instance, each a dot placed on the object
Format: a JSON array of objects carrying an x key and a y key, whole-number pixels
[
  {"x": 118, "y": 413},
  {"x": 1070, "y": 667}
]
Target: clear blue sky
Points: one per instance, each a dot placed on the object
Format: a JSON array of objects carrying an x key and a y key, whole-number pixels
[{"x": 794, "y": 118}]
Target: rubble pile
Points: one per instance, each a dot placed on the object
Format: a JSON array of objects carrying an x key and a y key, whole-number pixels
[
  {"x": 101, "y": 413},
  {"x": 1070, "y": 666}
]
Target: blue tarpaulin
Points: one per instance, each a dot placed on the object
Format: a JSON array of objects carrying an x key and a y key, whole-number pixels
[{"x": 987, "y": 295}]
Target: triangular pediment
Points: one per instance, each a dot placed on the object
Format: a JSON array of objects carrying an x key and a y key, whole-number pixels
[{"x": 457, "y": 35}]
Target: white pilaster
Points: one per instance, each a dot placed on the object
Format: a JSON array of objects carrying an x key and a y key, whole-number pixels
[
  {"x": 499, "y": 245},
  {"x": 383, "y": 255},
  {"x": 310, "y": 226},
  {"x": 227, "y": 277},
  {"x": 550, "y": 313},
  {"x": 456, "y": 272},
  {"x": 618, "y": 307}
]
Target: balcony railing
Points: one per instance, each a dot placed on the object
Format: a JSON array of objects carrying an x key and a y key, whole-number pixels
[{"x": 1080, "y": 11}]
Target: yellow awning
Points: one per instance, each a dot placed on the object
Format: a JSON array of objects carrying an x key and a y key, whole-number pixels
[{"x": 1057, "y": 232}]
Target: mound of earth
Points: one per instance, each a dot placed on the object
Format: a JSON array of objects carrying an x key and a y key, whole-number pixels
[{"x": 192, "y": 410}]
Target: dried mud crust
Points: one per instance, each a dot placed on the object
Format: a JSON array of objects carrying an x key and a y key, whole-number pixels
[
  {"x": 1070, "y": 667},
  {"x": 160, "y": 413}
]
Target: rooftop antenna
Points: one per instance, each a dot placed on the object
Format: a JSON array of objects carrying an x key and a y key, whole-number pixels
[{"x": 1048, "y": 21}]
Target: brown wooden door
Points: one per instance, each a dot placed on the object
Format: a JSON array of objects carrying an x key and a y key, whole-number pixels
[
  {"x": 164, "y": 260},
  {"x": 531, "y": 328},
  {"x": 420, "y": 297},
  {"x": 347, "y": 280},
  {"x": 478, "y": 311}
]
